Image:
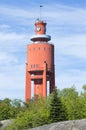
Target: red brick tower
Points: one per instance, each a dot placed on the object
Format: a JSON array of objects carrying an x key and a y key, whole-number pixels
[{"x": 40, "y": 63}]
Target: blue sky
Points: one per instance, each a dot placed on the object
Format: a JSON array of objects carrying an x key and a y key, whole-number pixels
[{"x": 66, "y": 23}]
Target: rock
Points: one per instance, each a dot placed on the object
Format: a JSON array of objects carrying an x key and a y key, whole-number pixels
[
  {"x": 5, "y": 123},
  {"x": 66, "y": 125}
]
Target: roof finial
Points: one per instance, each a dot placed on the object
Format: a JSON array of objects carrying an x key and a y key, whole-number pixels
[{"x": 40, "y": 18}]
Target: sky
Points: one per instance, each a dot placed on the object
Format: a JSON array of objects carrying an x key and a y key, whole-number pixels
[{"x": 66, "y": 23}]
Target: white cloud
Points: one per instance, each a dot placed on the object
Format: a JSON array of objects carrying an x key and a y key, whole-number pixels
[
  {"x": 13, "y": 42},
  {"x": 6, "y": 58},
  {"x": 12, "y": 93},
  {"x": 56, "y": 13},
  {"x": 65, "y": 14},
  {"x": 11, "y": 36},
  {"x": 12, "y": 64},
  {"x": 12, "y": 78},
  {"x": 70, "y": 60},
  {"x": 73, "y": 77},
  {"x": 4, "y": 26},
  {"x": 74, "y": 45},
  {"x": 15, "y": 12}
]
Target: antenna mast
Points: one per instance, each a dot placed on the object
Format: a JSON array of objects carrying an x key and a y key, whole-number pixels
[{"x": 40, "y": 12}]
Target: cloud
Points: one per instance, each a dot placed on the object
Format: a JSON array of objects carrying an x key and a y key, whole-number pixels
[
  {"x": 11, "y": 36},
  {"x": 12, "y": 64},
  {"x": 13, "y": 42},
  {"x": 6, "y": 58},
  {"x": 69, "y": 78},
  {"x": 12, "y": 93},
  {"x": 70, "y": 61},
  {"x": 12, "y": 77},
  {"x": 4, "y": 26},
  {"x": 65, "y": 14},
  {"x": 15, "y": 12},
  {"x": 57, "y": 14},
  {"x": 12, "y": 81},
  {"x": 74, "y": 45}
]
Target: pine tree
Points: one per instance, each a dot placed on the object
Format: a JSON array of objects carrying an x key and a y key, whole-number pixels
[{"x": 57, "y": 110}]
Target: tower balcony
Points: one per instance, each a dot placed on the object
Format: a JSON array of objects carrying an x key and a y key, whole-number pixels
[{"x": 40, "y": 37}]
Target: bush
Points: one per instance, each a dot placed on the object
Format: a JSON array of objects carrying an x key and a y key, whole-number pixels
[
  {"x": 37, "y": 114},
  {"x": 1, "y": 124}
]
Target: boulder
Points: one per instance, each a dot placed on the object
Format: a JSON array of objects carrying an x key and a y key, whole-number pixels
[{"x": 65, "y": 125}]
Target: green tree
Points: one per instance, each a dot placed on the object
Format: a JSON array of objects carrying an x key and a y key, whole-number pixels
[
  {"x": 73, "y": 103},
  {"x": 5, "y": 108},
  {"x": 57, "y": 110},
  {"x": 84, "y": 88},
  {"x": 10, "y": 108}
]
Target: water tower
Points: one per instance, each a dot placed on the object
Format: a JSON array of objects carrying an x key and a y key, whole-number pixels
[{"x": 40, "y": 63}]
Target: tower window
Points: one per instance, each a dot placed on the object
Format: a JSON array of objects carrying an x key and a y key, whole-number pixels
[
  {"x": 36, "y": 65},
  {"x": 31, "y": 66},
  {"x": 39, "y": 48},
  {"x": 44, "y": 48}
]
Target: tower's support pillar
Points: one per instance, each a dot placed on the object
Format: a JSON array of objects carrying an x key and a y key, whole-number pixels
[
  {"x": 28, "y": 85},
  {"x": 52, "y": 82},
  {"x": 45, "y": 80}
]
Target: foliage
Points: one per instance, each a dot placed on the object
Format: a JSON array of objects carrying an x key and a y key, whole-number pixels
[
  {"x": 84, "y": 88},
  {"x": 35, "y": 114},
  {"x": 66, "y": 104},
  {"x": 57, "y": 110},
  {"x": 8, "y": 110},
  {"x": 74, "y": 103},
  {"x": 1, "y": 124}
]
